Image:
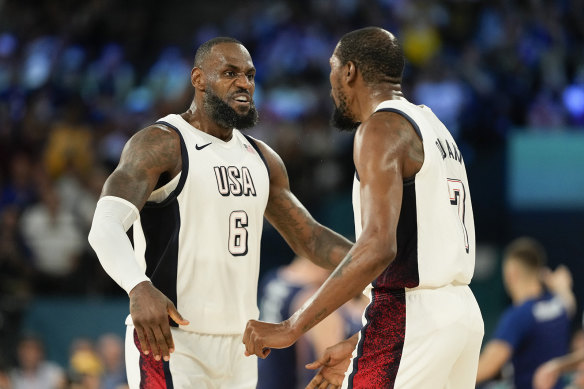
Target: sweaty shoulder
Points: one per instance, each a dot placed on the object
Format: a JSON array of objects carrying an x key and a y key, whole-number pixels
[
  {"x": 155, "y": 147},
  {"x": 391, "y": 134}
]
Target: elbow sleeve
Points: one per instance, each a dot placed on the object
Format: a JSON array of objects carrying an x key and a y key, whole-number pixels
[{"x": 113, "y": 217}]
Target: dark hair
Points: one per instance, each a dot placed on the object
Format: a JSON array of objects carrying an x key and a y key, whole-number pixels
[
  {"x": 376, "y": 53},
  {"x": 529, "y": 252},
  {"x": 206, "y": 47}
]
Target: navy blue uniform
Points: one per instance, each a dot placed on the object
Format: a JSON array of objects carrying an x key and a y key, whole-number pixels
[
  {"x": 537, "y": 331},
  {"x": 276, "y": 297}
]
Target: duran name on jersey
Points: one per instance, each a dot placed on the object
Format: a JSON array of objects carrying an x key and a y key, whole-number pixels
[{"x": 435, "y": 233}]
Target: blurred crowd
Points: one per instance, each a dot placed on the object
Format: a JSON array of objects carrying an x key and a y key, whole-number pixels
[
  {"x": 77, "y": 79},
  {"x": 91, "y": 365}
]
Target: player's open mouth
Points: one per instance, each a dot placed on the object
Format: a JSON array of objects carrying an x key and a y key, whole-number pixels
[{"x": 242, "y": 99}]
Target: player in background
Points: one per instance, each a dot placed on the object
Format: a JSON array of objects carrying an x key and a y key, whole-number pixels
[
  {"x": 536, "y": 328},
  {"x": 282, "y": 291}
]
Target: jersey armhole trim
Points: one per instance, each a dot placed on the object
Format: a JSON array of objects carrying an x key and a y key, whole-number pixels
[
  {"x": 184, "y": 170},
  {"x": 405, "y": 115},
  {"x": 409, "y": 180},
  {"x": 256, "y": 147}
]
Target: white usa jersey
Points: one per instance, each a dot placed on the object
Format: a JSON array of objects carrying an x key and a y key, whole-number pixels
[
  {"x": 435, "y": 233},
  {"x": 198, "y": 236}
]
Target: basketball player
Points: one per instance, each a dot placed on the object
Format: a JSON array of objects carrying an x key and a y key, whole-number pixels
[
  {"x": 415, "y": 250},
  {"x": 195, "y": 191},
  {"x": 536, "y": 328}
]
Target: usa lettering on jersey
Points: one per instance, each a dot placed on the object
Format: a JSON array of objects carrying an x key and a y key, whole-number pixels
[{"x": 235, "y": 181}]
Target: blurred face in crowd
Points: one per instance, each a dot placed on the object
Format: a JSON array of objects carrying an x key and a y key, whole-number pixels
[
  {"x": 229, "y": 77},
  {"x": 30, "y": 354},
  {"x": 342, "y": 117}
]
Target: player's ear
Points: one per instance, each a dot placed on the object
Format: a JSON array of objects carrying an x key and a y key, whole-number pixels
[
  {"x": 350, "y": 72},
  {"x": 197, "y": 79}
]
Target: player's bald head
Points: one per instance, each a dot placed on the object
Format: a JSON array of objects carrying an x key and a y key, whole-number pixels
[
  {"x": 205, "y": 49},
  {"x": 375, "y": 52}
]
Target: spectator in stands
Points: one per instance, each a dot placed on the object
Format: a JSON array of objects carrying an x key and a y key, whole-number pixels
[
  {"x": 33, "y": 370},
  {"x": 15, "y": 279},
  {"x": 110, "y": 348},
  {"x": 4, "y": 375},
  {"x": 53, "y": 236}
]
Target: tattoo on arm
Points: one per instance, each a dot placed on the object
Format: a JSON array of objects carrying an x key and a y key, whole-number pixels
[
  {"x": 324, "y": 245},
  {"x": 148, "y": 154},
  {"x": 304, "y": 234},
  {"x": 315, "y": 320}
]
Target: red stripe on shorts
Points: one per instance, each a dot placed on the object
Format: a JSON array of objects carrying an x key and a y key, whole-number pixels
[
  {"x": 382, "y": 339},
  {"x": 152, "y": 372}
]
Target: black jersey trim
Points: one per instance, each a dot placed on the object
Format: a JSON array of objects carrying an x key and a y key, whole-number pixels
[
  {"x": 409, "y": 180},
  {"x": 167, "y": 375},
  {"x": 256, "y": 147},
  {"x": 161, "y": 228},
  {"x": 405, "y": 115},
  {"x": 406, "y": 181},
  {"x": 184, "y": 170}
]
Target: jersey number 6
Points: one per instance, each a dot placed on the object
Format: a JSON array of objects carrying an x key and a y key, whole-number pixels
[
  {"x": 457, "y": 198},
  {"x": 237, "y": 233}
]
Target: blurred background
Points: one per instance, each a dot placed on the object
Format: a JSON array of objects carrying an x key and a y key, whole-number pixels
[{"x": 78, "y": 78}]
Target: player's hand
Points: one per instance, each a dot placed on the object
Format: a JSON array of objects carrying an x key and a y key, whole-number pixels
[
  {"x": 333, "y": 364},
  {"x": 559, "y": 279},
  {"x": 150, "y": 310},
  {"x": 546, "y": 376},
  {"x": 260, "y": 337}
]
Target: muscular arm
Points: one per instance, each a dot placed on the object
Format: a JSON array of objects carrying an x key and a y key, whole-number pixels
[
  {"x": 382, "y": 154},
  {"x": 302, "y": 232},
  {"x": 560, "y": 282},
  {"x": 148, "y": 154},
  {"x": 380, "y": 150}
]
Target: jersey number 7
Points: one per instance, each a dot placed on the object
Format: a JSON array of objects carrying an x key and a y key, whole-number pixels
[{"x": 458, "y": 198}]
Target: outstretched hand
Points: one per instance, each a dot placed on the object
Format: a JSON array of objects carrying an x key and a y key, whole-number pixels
[
  {"x": 559, "y": 279},
  {"x": 260, "y": 337},
  {"x": 333, "y": 364},
  {"x": 150, "y": 310}
]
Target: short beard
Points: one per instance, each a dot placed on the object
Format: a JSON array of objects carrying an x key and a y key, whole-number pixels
[
  {"x": 341, "y": 119},
  {"x": 227, "y": 117}
]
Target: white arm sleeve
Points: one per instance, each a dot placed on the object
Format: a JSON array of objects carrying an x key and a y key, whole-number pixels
[{"x": 113, "y": 217}]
